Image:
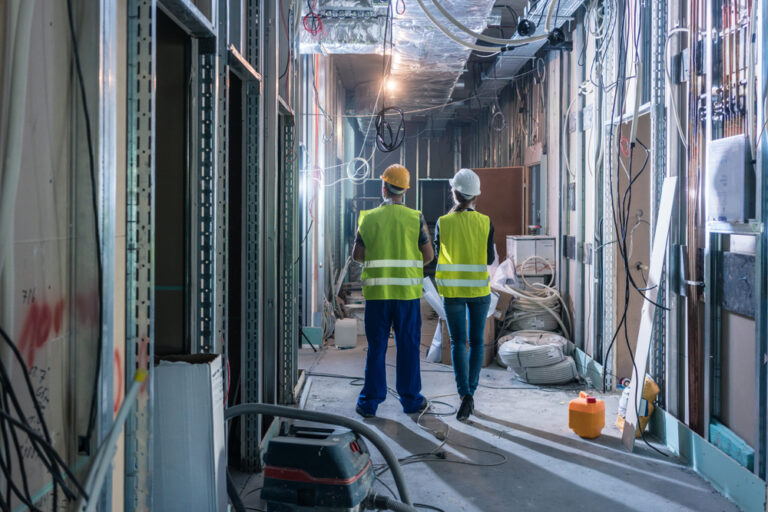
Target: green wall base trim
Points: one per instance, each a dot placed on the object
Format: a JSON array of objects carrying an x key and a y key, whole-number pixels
[
  {"x": 588, "y": 368},
  {"x": 312, "y": 335},
  {"x": 729, "y": 477},
  {"x": 727, "y": 440}
]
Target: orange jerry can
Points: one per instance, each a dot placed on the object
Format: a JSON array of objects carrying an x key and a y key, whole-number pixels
[{"x": 586, "y": 415}]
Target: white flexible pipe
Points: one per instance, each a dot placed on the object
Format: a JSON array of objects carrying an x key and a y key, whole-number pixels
[
  {"x": 12, "y": 145},
  {"x": 751, "y": 81},
  {"x": 103, "y": 459},
  {"x": 683, "y": 136},
  {"x": 480, "y": 48},
  {"x": 543, "y": 301},
  {"x": 482, "y": 37}
]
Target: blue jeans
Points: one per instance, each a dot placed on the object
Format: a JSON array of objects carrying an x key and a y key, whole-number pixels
[
  {"x": 404, "y": 316},
  {"x": 467, "y": 372}
]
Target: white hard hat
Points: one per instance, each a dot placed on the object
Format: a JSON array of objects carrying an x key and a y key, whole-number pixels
[{"x": 466, "y": 182}]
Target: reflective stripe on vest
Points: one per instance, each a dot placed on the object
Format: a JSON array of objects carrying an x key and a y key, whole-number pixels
[
  {"x": 394, "y": 263},
  {"x": 462, "y": 268},
  {"x": 393, "y": 268},
  {"x": 461, "y": 264},
  {"x": 392, "y": 281},
  {"x": 463, "y": 283}
]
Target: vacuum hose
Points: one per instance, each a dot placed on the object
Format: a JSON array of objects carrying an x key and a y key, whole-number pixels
[
  {"x": 334, "y": 419},
  {"x": 379, "y": 502}
]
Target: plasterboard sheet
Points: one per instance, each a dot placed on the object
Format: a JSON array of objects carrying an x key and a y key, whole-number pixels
[{"x": 645, "y": 334}]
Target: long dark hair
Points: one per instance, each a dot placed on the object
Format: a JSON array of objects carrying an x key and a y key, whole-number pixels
[{"x": 461, "y": 202}]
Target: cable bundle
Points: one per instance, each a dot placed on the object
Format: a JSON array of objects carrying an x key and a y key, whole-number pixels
[
  {"x": 538, "y": 357},
  {"x": 532, "y": 349},
  {"x": 558, "y": 373},
  {"x": 389, "y": 136},
  {"x": 537, "y": 307},
  {"x": 19, "y": 438}
]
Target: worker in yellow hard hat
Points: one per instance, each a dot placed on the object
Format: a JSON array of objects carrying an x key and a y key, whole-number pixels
[
  {"x": 464, "y": 244},
  {"x": 393, "y": 244}
]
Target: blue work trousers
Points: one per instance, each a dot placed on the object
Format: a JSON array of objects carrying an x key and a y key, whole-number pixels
[
  {"x": 405, "y": 317},
  {"x": 467, "y": 372}
]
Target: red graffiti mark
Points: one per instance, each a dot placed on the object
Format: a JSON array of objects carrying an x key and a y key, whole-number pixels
[
  {"x": 42, "y": 321},
  {"x": 118, "y": 397},
  {"x": 45, "y": 320}
]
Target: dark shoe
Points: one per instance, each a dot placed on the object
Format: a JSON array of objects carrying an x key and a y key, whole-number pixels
[
  {"x": 422, "y": 408},
  {"x": 364, "y": 414},
  {"x": 466, "y": 408}
]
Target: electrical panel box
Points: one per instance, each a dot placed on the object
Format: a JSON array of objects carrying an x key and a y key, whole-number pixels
[
  {"x": 730, "y": 180},
  {"x": 521, "y": 247}
]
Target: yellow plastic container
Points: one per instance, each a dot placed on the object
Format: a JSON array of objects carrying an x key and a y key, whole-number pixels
[{"x": 586, "y": 416}]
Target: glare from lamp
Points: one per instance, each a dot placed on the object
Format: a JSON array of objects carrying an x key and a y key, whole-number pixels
[{"x": 391, "y": 85}]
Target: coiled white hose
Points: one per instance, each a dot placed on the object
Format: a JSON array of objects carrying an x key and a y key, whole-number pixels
[
  {"x": 558, "y": 373},
  {"x": 532, "y": 349},
  {"x": 539, "y": 298}
]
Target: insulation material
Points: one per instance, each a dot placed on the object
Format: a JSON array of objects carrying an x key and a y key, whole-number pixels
[
  {"x": 425, "y": 62},
  {"x": 420, "y": 46},
  {"x": 349, "y": 34}
]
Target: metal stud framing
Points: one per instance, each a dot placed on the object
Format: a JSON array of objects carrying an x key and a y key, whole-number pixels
[
  {"x": 252, "y": 335},
  {"x": 140, "y": 225},
  {"x": 761, "y": 259},
  {"x": 204, "y": 253},
  {"x": 288, "y": 352},
  {"x": 222, "y": 173},
  {"x": 659, "y": 166}
]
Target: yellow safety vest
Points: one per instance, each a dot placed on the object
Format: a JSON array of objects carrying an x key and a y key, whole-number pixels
[
  {"x": 461, "y": 264},
  {"x": 393, "y": 266}
]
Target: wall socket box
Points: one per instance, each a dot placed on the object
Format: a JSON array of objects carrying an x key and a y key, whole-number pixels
[{"x": 730, "y": 180}]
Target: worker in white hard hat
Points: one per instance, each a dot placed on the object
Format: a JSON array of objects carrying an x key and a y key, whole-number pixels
[
  {"x": 393, "y": 244},
  {"x": 464, "y": 247}
]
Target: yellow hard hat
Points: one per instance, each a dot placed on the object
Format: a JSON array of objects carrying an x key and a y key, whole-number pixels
[{"x": 397, "y": 175}]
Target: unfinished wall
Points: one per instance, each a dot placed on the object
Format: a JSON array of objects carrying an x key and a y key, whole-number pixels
[{"x": 49, "y": 275}]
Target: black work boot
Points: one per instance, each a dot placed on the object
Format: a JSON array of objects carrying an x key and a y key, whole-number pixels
[{"x": 466, "y": 408}]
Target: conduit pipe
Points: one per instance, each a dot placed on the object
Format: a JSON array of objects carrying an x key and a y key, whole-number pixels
[
  {"x": 477, "y": 47},
  {"x": 331, "y": 419}
]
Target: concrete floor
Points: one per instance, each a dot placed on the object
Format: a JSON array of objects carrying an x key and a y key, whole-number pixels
[{"x": 528, "y": 457}]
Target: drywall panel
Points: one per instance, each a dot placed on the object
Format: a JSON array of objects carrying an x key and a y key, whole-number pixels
[
  {"x": 638, "y": 246},
  {"x": 737, "y": 390},
  {"x": 50, "y": 277}
]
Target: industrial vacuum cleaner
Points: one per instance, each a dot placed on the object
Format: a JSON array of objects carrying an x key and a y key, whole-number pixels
[{"x": 320, "y": 462}]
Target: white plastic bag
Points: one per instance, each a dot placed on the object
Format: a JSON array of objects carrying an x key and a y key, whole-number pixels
[
  {"x": 433, "y": 298},
  {"x": 505, "y": 275},
  {"x": 435, "y": 352}
]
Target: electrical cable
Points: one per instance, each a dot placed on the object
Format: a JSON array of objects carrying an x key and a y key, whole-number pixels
[
  {"x": 620, "y": 208},
  {"x": 287, "y": 37},
  {"x": 389, "y": 136},
  {"x": 97, "y": 235},
  {"x": 312, "y": 22},
  {"x": 683, "y": 136}
]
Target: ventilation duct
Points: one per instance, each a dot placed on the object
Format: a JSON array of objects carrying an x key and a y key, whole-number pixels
[{"x": 509, "y": 63}]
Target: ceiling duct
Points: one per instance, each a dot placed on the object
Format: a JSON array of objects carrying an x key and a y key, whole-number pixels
[
  {"x": 425, "y": 62},
  {"x": 509, "y": 63}
]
